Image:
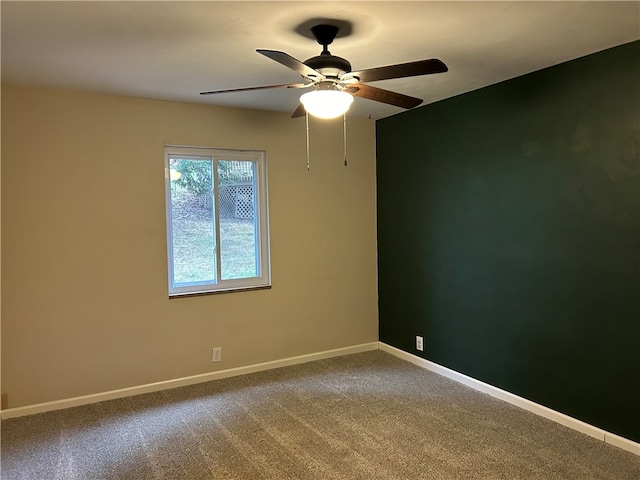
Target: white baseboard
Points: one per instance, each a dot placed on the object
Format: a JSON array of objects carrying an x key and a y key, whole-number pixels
[
  {"x": 181, "y": 382},
  {"x": 533, "y": 407}
]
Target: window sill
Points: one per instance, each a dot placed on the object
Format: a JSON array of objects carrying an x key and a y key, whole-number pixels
[{"x": 217, "y": 292}]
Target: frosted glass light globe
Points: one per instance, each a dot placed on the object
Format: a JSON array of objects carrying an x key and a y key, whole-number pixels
[{"x": 326, "y": 103}]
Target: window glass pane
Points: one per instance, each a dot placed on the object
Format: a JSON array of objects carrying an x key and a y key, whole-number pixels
[
  {"x": 238, "y": 219},
  {"x": 192, "y": 220}
]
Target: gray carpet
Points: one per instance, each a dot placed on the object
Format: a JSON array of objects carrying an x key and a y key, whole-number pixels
[{"x": 364, "y": 416}]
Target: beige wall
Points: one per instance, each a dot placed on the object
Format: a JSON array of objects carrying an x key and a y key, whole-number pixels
[{"x": 84, "y": 282}]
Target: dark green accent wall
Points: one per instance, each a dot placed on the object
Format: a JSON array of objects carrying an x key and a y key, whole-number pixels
[{"x": 508, "y": 236}]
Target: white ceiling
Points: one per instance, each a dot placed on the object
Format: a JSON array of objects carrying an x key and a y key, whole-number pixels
[{"x": 174, "y": 50}]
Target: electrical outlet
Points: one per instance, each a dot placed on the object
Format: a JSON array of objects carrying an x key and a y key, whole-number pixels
[
  {"x": 217, "y": 354},
  {"x": 419, "y": 343}
]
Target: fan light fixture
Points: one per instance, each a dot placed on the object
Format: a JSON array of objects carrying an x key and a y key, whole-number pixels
[
  {"x": 326, "y": 103},
  {"x": 334, "y": 81}
]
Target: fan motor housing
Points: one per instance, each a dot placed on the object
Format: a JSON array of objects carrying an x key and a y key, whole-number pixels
[{"x": 329, "y": 65}]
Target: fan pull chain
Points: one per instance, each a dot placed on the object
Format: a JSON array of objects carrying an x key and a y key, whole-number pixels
[
  {"x": 306, "y": 116},
  {"x": 344, "y": 136}
]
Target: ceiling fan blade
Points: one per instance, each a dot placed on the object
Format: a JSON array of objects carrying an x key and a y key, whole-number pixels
[
  {"x": 232, "y": 90},
  {"x": 299, "y": 112},
  {"x": 294, "y": 64},
  {"x": 400, "y": 70},
  {"x": 384, "y": 96}
]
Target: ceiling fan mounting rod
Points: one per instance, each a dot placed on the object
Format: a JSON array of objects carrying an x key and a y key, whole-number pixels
[{"x": 325, "y": 34}]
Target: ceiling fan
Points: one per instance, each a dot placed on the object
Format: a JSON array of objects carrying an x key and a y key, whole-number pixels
[{"x": 333, "y": 82}]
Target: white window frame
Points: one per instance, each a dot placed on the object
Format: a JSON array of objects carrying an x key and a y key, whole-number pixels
[{"x": 263, "y": 279}]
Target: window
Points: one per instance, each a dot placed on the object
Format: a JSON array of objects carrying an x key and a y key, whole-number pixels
[{"x": 217, "y": 220}]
